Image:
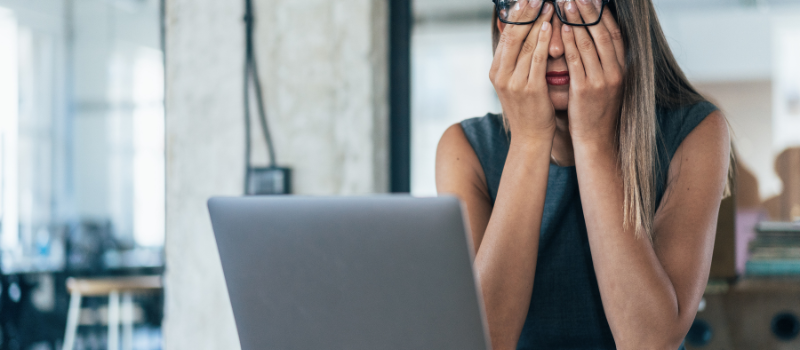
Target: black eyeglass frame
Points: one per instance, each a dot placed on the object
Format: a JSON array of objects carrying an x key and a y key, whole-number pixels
[{"x": 558, "y": 13}]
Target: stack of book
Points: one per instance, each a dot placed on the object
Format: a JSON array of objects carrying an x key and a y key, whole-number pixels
[{"x": 776, "y": 250}]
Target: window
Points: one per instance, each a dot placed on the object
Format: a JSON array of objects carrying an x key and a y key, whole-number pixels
[{"x": 81, "y": 135}]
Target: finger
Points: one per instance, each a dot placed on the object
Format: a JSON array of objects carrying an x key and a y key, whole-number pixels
[
  {"x": 523, "y": 68},
  {"x": 524, "y": 11},
  {"x": 577, "y": 74},
  {"x": 583, "y": 41},
  {"x": 616, "y": 35},
  {"x": 590, "y": 11},
  {"x": 540, "y": 55},
  {"x": 514, "y": 35},
  {"x": 498, "y": 54}
]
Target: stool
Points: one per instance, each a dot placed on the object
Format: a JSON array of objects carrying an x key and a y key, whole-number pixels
[{"x": 111, "y": 287}]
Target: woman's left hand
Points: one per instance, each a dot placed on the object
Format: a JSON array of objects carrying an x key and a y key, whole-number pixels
[{"x": 596, "y": 60}]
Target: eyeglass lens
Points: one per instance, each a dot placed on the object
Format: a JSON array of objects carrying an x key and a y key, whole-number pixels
[{"x": 572, "y": 11}]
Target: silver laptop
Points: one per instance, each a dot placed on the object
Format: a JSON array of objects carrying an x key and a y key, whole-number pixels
[{"x": 371, "y": 273}]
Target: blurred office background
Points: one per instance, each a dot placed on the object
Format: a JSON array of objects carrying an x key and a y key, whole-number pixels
[
  {"x": 81, "y": 163},
  {"x": 119, "y": 118}
]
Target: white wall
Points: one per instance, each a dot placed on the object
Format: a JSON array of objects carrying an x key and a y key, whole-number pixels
[
  {"x": 204, "y": 148},
  {"x": 733, "y": 44},
  {"x": 323, "y": 64}
]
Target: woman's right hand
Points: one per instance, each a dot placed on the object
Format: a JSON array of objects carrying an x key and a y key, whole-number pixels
[{"x": 519, "y": 73}]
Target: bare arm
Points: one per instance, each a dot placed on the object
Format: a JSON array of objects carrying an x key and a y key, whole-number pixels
[
  {"x": 506, "y": 237},
  {"x": 650, "y": 291}
]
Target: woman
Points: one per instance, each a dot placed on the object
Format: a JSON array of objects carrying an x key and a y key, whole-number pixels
[{"x": 593, "y": 199}]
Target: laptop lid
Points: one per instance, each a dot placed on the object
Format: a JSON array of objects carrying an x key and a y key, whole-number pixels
[{"x": 384, "y": 272}]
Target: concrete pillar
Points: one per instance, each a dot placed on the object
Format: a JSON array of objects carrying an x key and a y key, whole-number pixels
[{"x": 324, "y": 69}]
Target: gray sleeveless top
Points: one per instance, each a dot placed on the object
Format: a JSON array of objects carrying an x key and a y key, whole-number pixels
[{"x": 566, "y": 311}]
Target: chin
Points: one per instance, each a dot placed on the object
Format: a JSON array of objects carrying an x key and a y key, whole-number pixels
[{"x": 560, "y": 100}]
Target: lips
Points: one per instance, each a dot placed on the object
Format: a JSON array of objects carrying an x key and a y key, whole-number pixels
[{"x": 557, "y": 78}]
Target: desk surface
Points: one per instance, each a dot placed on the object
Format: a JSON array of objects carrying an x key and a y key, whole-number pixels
[{"x": 104, "y": 286}]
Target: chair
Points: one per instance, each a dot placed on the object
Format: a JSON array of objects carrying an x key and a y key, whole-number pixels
[{"x": 111, "y": 287}]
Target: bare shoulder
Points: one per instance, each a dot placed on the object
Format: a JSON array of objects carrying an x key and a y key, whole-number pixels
[
  {"x": 456, "y": 161},
  {"x": 454, "y": 143},
  {"x": 708, "y": 142},
  {"x": 703, "y": 158},
  {"x": 713, "y": 130}
]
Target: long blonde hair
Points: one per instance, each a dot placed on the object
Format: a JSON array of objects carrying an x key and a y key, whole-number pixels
[{"x": 652, "y": 80}]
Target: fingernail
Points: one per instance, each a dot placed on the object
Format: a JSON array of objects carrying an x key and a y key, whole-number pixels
[
  {"x": 570, "y": 6},
  {"x": 545, "y": 26},
  {"x": 516, "y": 7},
  {"x": 535, "y": 3},
  {"x": 585, "y": 1},
  {"x": 547, "y": 8},
  {"x": 566, "y": 28}
]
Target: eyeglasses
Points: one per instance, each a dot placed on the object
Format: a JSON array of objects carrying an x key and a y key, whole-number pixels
[{"x": 528, "y": 11}]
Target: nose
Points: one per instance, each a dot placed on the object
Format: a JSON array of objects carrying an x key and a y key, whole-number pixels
[{"x": 556, "y": 44}]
